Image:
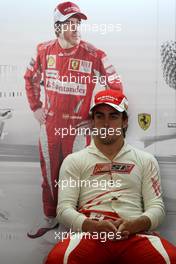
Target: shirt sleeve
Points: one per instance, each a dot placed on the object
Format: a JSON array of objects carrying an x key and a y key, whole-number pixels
[
  {"x": 107, "y": 74},
  {"x": 32, "y": 82},
  {"x": 68, "y": 195},
  {"x": 152, "y": 193}
]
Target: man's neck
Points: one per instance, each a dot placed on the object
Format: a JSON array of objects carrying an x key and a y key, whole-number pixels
[
  {"x": 64, "y": 44},
  {"x": 111, "y": 150}
]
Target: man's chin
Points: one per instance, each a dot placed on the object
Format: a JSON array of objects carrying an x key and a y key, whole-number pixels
[
  {"x": 76, "y": 41},
  {"x": 107, "y": 140}
]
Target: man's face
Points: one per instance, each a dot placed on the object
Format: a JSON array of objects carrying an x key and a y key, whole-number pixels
[
  {"x": 109, "y": 122},
  {"x": 71, "y": 30}
]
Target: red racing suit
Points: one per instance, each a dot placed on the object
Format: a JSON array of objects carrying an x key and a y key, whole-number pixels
[{"x": 70, "y": 77}]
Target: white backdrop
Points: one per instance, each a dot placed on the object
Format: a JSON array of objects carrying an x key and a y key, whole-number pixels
[{"x": 135, "y": 52}]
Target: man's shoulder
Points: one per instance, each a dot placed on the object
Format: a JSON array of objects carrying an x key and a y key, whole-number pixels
[
  {"x": 44, "y": 45},
  {"x": 78, "y": 155},
  {"x": 91, "y": 49},
  {"x": 76, "y": 160},
  {"x": 140, "y": 154}
]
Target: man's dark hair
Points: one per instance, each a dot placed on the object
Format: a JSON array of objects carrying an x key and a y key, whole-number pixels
[
  {"x": 57, "y": 28},
  {"x": 124, "y": 116}
]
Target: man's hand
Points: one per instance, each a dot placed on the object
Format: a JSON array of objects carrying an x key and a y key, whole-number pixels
[
  {"x": 139, "y": 224},
  {"x": 127, "y": 227},
  {"x": 90, "y": 225},
  {"x": 124, "y": 233},
  {"x": 40, "y": 115},
  {"x": 120, "y": 227},
  {"x": 108, "y": 226}
]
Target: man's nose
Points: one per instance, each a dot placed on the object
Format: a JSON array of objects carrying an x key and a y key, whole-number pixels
[
  {"x": 75, "y": 27},
  {"x": 106, "y": 122}
]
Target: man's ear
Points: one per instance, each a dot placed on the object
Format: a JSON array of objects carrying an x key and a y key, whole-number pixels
[
  {"x": 91, "y": 120},
  {"x": 125, "y": 123},
  {"x": 92, "y": 123},
  {"x": 57, "y": 28}
]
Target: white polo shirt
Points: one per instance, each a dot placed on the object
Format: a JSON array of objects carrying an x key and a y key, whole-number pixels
[{"x": 129, "y": 185}]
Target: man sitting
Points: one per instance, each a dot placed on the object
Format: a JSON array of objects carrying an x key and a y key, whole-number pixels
[{"x": 116, "y": 192}]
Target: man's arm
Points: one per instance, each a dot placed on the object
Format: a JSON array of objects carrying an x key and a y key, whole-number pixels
[
  {"x": 32, "y": 83},
  {"x": 152, "y": 193},
  {"x": 110, "y": 77},
  {"x": 137, "y": 225},
  {"x": 152, "y": 200},
  {"x": 125, "y": 227},
  {"x": 68, "y": 194}
]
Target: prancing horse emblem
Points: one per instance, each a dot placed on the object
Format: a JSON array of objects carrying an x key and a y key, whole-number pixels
[{"x": 144, "y": 120}]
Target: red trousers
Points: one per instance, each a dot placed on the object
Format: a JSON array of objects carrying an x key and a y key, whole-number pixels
[
  {"x": 53, "y": 149},
  {"x": 139, "y": 248}
]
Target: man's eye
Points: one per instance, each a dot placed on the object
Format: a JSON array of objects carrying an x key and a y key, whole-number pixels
[
  {"x": 114, "y": 116},
  {"x": 98, "y": 116}
]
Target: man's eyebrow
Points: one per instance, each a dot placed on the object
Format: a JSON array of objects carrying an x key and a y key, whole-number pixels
[
  {"x": 98, "y": 112},
  {"x": 115, "y": 113}
]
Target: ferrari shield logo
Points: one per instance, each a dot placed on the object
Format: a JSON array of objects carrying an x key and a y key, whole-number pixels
[
  {"x": 144, "y": 120},
  {"x": 74, "y": 65}
]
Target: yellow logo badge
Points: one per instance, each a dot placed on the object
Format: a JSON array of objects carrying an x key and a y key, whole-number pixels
[
  {"x": 51, "y": 61},
  {"x": 144, "y": 120}
]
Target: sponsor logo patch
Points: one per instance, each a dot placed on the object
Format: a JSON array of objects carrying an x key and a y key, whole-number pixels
[
  {"x": 80, "y": 65},
  {"x": 52, "y": 74},
  {"x": 51, "y": 61},
  {"x": 122, "y": 167},
  {"x": 156, "y": 186},
  {"x": 57, "y": 86},
  {"x": 67, "y": 116},
  {"x": 74, "y": 65},
  {"x": 96, "y": 216},
  {"x": 102, "y": 168}
]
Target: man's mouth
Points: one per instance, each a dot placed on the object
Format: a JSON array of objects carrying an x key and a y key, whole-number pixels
[{"x": 76, "y": 36}]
